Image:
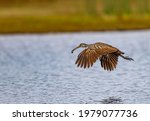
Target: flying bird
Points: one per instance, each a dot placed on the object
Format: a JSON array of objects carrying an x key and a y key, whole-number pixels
[{"x": 107, "y": 54}]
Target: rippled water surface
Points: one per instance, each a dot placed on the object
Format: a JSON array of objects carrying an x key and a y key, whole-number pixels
[{"x": 41, "y": 69}]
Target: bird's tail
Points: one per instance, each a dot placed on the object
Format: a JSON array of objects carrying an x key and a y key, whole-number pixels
[{"x": 127, "y": 58}]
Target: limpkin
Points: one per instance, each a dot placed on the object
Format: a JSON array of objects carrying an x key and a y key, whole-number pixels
[{"x": 107, "y": 54}]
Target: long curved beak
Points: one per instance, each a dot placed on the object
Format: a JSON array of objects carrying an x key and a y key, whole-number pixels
[{"x": 75, "y": 48}]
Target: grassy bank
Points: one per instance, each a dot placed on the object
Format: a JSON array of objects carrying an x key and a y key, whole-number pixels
[{"x": 34, "y": 16}]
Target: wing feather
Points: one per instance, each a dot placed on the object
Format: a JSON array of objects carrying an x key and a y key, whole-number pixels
[
  {"x": 106, "y": 63},
  {"x": 87, "y": 58},
  {"x": 109, "y": 62},
  {"x": 83, "y": 60},
  {"x": 104, "y": 48},
  {"x": 114, "y": 60},
  {"x": 90, "y": 59},
  {"x": 101, "y": 60},
  {"x": 112, "y": 64}
]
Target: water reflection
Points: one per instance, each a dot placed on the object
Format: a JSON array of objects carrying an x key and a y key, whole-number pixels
[{"x": 112, "y": 100}]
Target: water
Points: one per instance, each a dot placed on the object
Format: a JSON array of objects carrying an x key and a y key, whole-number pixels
[{"x": 41, "y": 69}]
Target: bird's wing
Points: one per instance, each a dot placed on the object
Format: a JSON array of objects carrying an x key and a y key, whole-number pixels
[
  {"x": 86, "y": 58},
  {"x": 109, "y": 61},
  {"x": 103, "y": 48}
]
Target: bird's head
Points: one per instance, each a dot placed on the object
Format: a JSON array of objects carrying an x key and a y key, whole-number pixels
[{"x": 81, "y": 45}]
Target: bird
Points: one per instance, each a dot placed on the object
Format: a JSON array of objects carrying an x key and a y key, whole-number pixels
[{"x": 107, "y": 54}]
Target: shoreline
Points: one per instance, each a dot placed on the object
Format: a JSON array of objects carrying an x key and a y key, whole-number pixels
[
  {"x": 79, "y": 16},
  {"x": 70, "y": 32},
  {"x": 24, "y": 26}
]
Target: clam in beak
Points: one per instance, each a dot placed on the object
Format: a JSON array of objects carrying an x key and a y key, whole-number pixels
[{"x": 75, "y": 48}]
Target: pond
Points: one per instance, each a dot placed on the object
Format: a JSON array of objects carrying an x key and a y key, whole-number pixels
[{"x": 40, "y": 68}]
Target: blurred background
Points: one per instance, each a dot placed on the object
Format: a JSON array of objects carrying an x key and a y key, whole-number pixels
[
  {"x": 39, "y": 68},
  {"x": 38, "y": 16}
]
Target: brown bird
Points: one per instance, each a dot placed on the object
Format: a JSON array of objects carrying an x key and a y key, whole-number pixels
[{"x": 107, "y": 54}]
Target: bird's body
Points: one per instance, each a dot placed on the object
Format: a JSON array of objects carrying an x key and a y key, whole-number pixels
[{"x": 107, "y": 54}]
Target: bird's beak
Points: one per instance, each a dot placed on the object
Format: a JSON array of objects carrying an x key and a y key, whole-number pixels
[{"x": 75, "y": 48}]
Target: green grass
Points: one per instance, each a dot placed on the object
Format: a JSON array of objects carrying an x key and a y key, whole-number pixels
[{"x": 34, "y": 16}]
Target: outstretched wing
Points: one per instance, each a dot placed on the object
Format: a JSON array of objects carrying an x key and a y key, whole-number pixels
[
  {"x": 86, "y": 58},
  {"x": 109, "y": 61}
]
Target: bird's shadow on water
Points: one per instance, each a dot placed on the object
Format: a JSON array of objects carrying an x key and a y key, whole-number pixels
[
  {"x": 109, "y": 100},
  {"x": 112, "y": 100}
]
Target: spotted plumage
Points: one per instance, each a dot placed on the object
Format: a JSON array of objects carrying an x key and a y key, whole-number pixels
[{"x": 107, "y": 54}]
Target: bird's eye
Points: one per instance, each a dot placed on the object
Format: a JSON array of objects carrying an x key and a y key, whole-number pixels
[{"x": 81, "y": 45}]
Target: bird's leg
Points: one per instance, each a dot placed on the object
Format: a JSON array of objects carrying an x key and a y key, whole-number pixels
[{"x": 126, "y": 57}]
